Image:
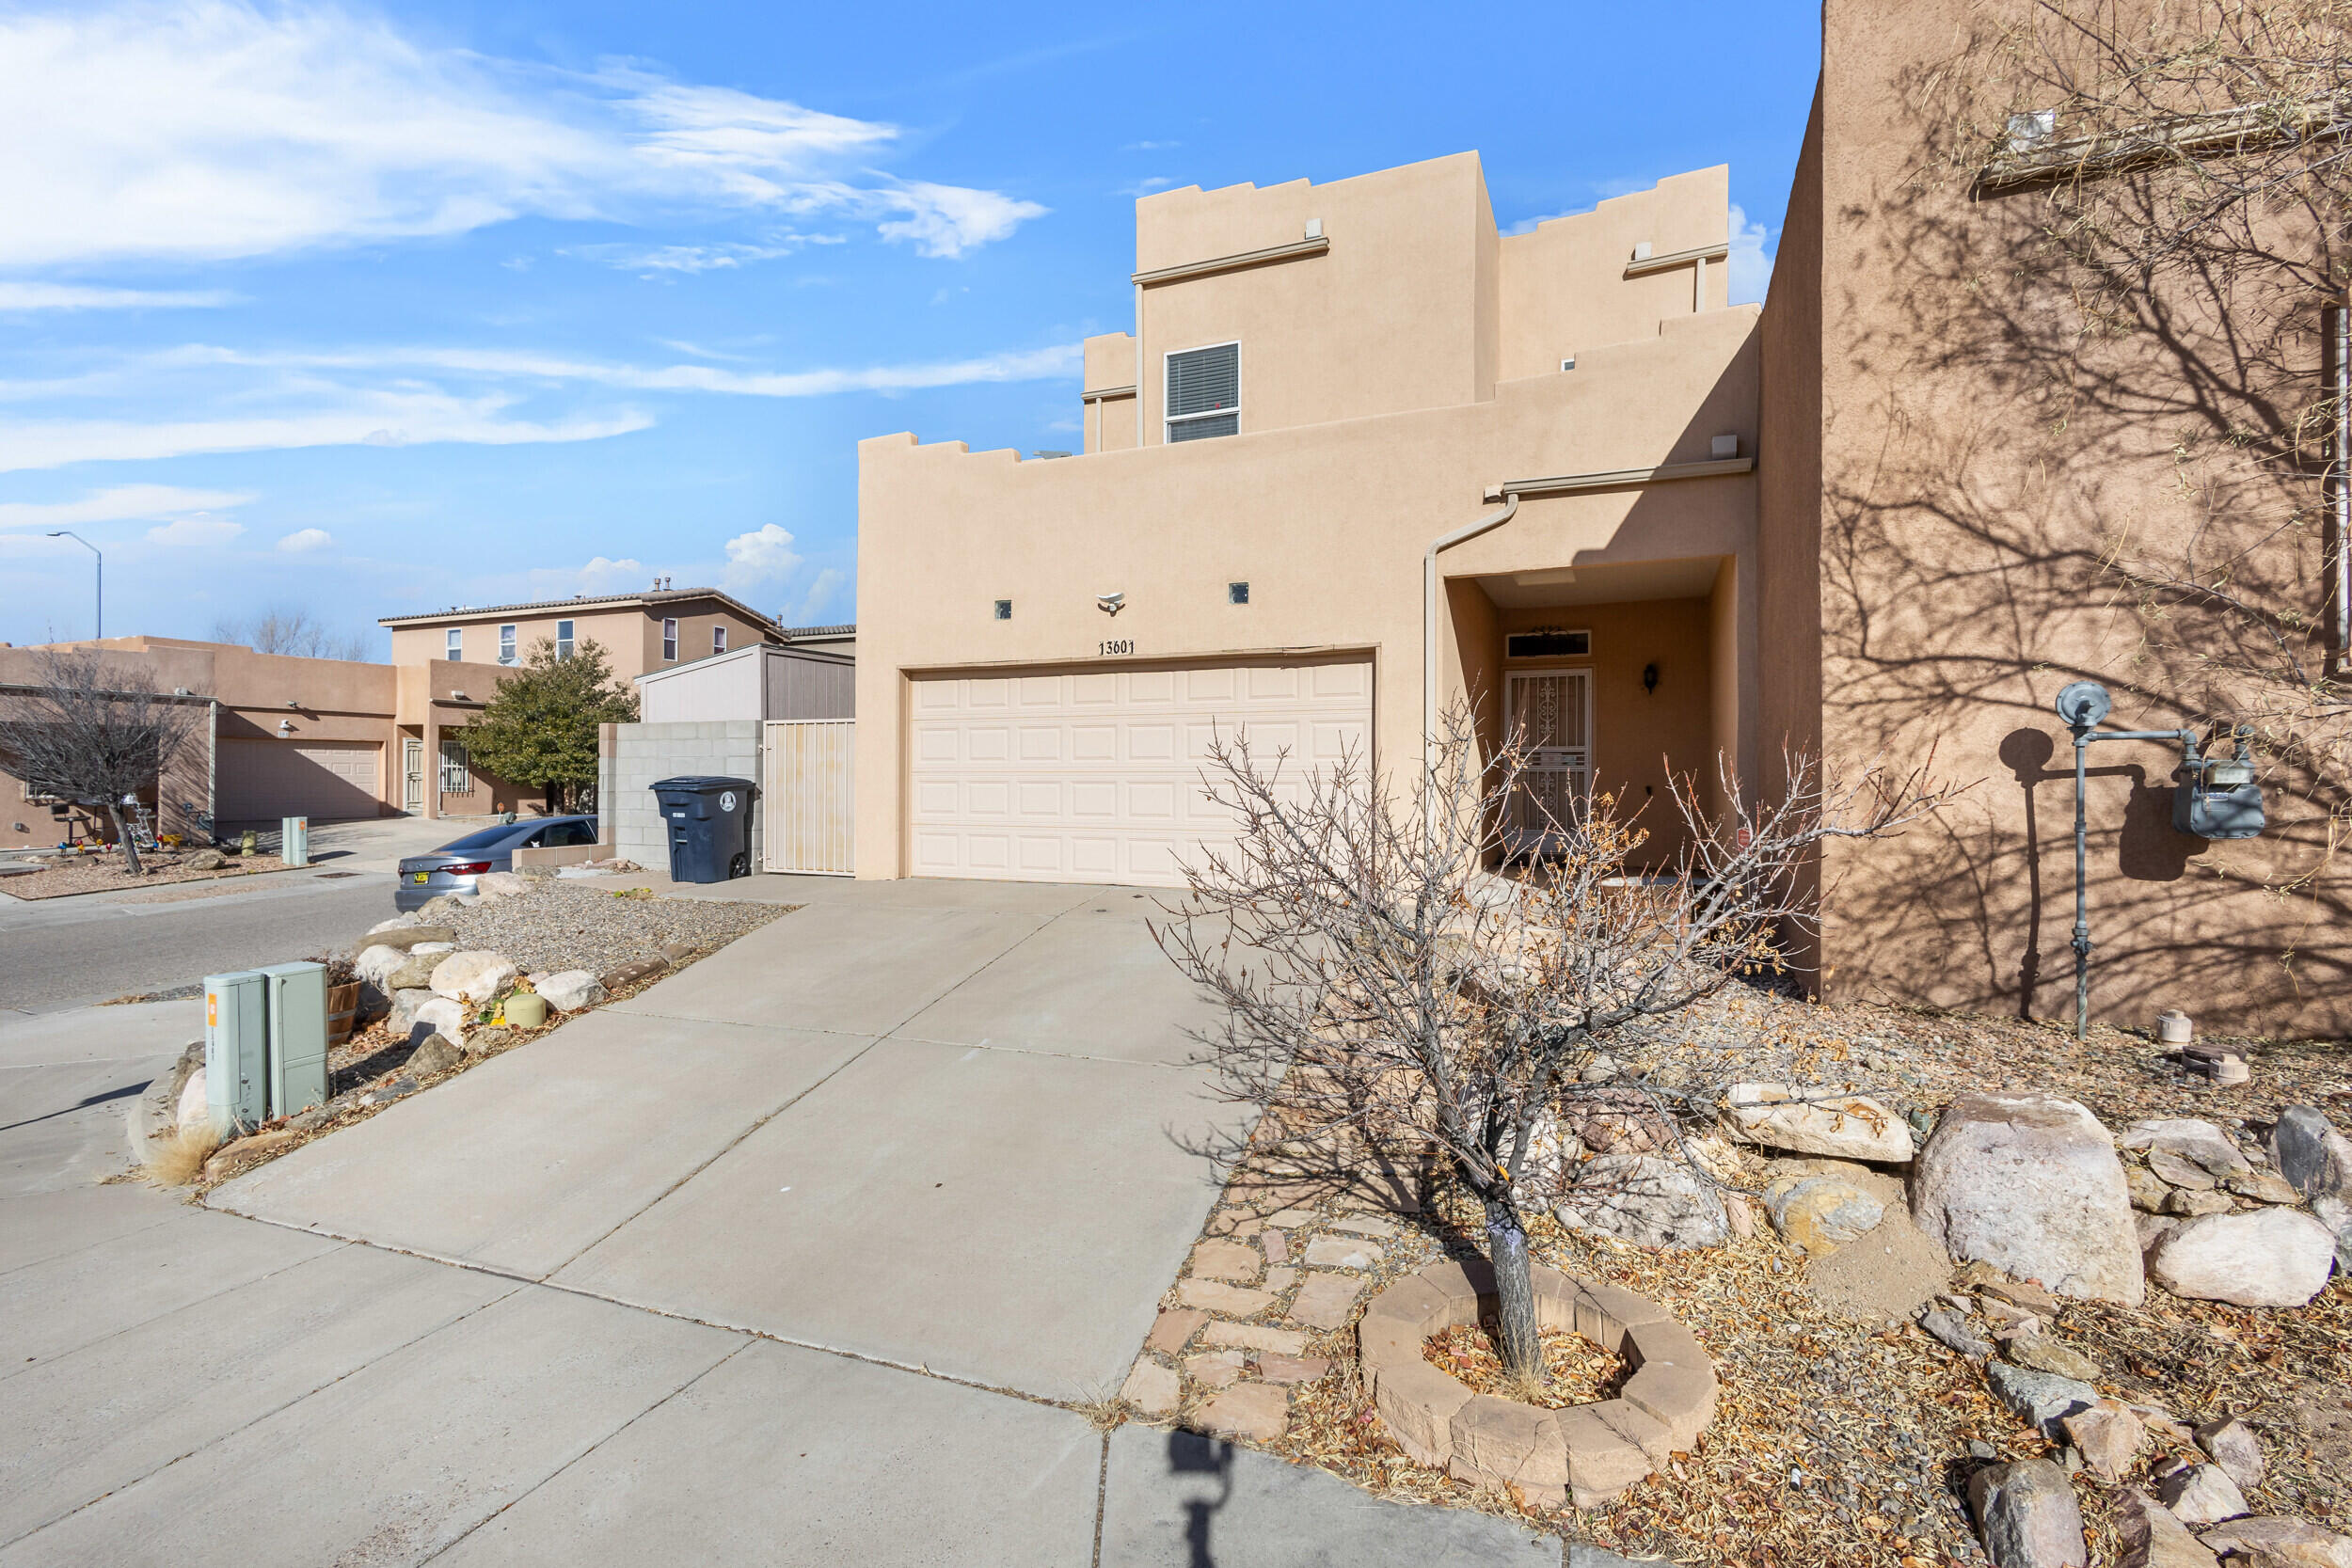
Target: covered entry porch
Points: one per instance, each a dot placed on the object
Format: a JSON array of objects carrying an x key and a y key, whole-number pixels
[{"x": 1621, "y": 678}]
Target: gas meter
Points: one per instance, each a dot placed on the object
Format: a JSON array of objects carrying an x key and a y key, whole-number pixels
[{"x": 2217, "y": 797}]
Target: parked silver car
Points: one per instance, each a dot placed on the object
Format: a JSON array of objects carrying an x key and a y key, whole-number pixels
[{"x": 455, "y": 865}]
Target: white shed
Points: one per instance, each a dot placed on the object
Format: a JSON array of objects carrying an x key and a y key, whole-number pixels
[{"x": 763, "y": 681}]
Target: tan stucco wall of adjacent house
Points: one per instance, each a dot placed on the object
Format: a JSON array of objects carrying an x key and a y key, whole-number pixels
[{"x": 630, "y": 635}]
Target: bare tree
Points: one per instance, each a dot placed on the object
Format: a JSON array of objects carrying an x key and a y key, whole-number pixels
[
  {"x": 1385, "y": 993},
  {"x": 290, "y": 629},
  {"x": 92, "y": 735}
]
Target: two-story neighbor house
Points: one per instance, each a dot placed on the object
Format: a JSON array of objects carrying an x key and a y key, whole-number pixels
[{"x": 1327, "y": 384}]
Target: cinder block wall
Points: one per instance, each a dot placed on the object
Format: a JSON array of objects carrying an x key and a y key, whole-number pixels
[{"x": 632, "y": 819}]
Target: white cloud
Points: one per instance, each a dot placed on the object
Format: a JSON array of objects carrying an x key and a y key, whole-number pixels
[
  {"x": 196, "y": 531},
  {"x": 1145, "y": 187},
  {"x": 820, "y": 594},
  {"x": 695, "y": 257},
  {"x": 601, "y": 574},
  {"x": 1150, "y": 146},
  {"x": 216, "y": 128},
  {"x": 72, "y": 297},
  {"x": 761, "y": 556},
  {"x": 306, "y": 539},
  {"x": 119, "y": 503},
  {"x": 1751, "y": 261}
]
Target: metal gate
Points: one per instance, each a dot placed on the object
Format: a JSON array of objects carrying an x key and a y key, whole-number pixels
[
  {"x": 1552, "y": 715},
  {"x": 412, "y": 775},
  {"x": 806, "y": 794}
]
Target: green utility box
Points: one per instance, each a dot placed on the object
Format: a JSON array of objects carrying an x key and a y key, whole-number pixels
[
  {"x": 297, "y": 1037},
  {"x": 236, "y": 1050}
]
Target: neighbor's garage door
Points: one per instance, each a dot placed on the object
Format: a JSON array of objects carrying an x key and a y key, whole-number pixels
[
  {"x": 262, "y": 780},
  {"x": 1095, "y": 777}
]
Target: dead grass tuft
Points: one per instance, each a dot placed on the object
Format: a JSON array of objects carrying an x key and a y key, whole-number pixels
[{"x": 177, "y": 1159}]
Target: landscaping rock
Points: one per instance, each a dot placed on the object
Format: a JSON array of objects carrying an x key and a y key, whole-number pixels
[
  {"x": 2153, "y": 1537},
  {"x": 1210, "y": 1297},
  {"x": 1216, "y": 1369},
  {"x": 438, "y": 1053},
  {"x": 2154, "y": 1228},
  {"x": 2041, "y": 1399},
  {"x": 2264, "y": 1542},
  {"x": 2312, "y": 1154},
  {"x": 2028, "y": 1515},
  {"x": 2190, "y": 1203},
  {"x": 631, "y": 973},
  {"x": 405, "y": 1006},
  {"x": 1342, "y": 1252},
  {"x": 229, "y": 1156},
  {"x": 2263, "y": 1187},
  {"x": 1645, "y": 1198},
  {"x": 1820, "y": 1213},
  {"x": 2202, "y": 1495},
  {"x": 410, "y": 935},
  {"x": 443, "y": 1016},
  {"x": 2184, "y": 1151},
  {"x": 377, "y": 964},
  {"x": 2109, "y": 1437},
  {"x": 446, "y": 907},
  {"x": 2148, "y": 1189},
  {"x": 1236, "y": 1262},
  {"x": 1325, "y": 1300},
  {"x": 2269, "y": 1258},
  {"x": 193, "y": 1109},
  {"x": 2030, "y": 1182},
  {"x": 2233, "y": 1445},
  {"x": 2040, "y": 1353},
  {"x": 1276, "y": 1368},
  {"x": 1173, "y": 1329},
  {"x": 398, "y": 922},
  {"x": 205, "y": 859},
  {"x": 1258, "y": 1411},
  {"x": 569, "y": 990},
  {"x": 475, "y": 976},
  {"x": 1153, "y": 1388},
  {"x": 1816, "y": 1121},
  {"x": 1952, "y": 1331},
  {"x": 501, "y": 884},
  {"x": 2336, "y": 1214},
  {"x": 416, "y": 974}
]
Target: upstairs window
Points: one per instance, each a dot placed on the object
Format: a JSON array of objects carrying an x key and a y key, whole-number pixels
[
  {"x": 669, "y": 640},
  {"x": 563, "y": 640},
  {"x": 717, "y": 639},
  {"x": 1204, "y": 392},
  {"x": 457, "y": 645},
  {"x": 507, "y": 644}
]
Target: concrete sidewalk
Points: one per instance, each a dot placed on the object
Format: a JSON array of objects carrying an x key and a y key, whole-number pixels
[{"x": 807, "y": 1255}]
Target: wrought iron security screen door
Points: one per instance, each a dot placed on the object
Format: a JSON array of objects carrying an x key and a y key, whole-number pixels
[
  {"x": 411, "y": 774},
  {"x": 1550, "y": 713}
]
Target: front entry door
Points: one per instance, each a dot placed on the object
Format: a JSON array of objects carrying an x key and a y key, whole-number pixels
[
  {"x": 412, "y": 774},
  {"x": 1551, "y": 714}
]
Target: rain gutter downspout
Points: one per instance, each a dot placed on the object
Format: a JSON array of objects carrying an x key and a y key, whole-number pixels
[{"x": 1429, "y": 631}]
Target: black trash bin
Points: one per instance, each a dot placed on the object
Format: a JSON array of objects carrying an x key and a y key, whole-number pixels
[{"x": 709, "y": 823}]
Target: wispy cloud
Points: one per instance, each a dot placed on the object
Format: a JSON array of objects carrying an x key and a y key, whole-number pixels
[
  {"x": 1145, "y": 187},
  {"x": 1150, "y": 146},
  {"x": 819, "y": 595},
  {"x": 763, "y": 555},
  {"x": 72, "y": 297},
  {"x": 119, "y": 503},
  {"x": 304, "y": 540},
  {"x": 208, "y": 129},
  {"x": 695, "y": 257},
  {"x": 195, "y": 530}
]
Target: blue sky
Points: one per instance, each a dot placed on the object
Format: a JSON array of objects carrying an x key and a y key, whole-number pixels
[{"x": 375, "y": 311}]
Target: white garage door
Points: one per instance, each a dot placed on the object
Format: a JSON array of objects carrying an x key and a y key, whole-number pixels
[
  {"x": 264, "y": 779},
  {"x": 1095, "y": 777}
]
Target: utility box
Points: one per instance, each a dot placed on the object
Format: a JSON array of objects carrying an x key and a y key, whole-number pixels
[
  {"x": 297, "y": 1037},
  {"x": 236, "y": 1050},
  {"x": 709, "y": 824},
  {"x": 2218, "y": 800},
  {"x": 293, "y": 840}
]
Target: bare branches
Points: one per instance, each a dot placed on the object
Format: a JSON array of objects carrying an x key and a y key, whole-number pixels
[
  {"x": 92, "y": 735},
  {"x": 1387, "y": 997},
  {"x": 290, "y": 629}
]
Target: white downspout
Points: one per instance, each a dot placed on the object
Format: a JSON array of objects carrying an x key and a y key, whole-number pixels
[{"x": 1429, "y": 630}]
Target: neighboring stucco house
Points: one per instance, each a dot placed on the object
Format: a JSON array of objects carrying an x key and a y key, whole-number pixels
[{"x": 1880, "y": 519}]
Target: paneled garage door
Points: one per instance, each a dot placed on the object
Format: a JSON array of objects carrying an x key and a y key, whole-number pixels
[
  {"x": 262, "y": 780},
  {"x": 1095, "y": 776}
]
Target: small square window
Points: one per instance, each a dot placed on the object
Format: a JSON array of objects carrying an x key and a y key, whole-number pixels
[
  {"x": 717, "y": 639},
  {"x": 1237, "y": 593},
  {"x": 456, "y": 644},
  {"x": 1003, "y": 610},
  {"x": 1569, "y": 363}
]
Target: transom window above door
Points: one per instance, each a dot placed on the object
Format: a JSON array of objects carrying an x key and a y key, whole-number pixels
[
  {"x": 1204, "y": 392},
  {"x": 1547, "y": 644}
]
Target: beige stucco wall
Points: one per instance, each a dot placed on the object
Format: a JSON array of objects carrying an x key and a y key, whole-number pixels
[
  {"x": 1564, "y": 288},
  {"x": 630, "y": 634},
  {"x": 1327, "y": 522}
]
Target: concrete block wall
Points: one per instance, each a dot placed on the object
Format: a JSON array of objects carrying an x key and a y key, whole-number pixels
[{"x": 631, "y": 820}]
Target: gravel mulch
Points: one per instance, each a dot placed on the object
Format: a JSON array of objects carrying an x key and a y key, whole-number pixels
[
  {"x": 555, "y": 927},
  {"x": 1843, "y": 1436},
  {"x": 106, "y": 873}
]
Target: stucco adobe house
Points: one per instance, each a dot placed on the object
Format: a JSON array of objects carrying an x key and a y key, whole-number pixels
[{"x": 1690, "y": 530}]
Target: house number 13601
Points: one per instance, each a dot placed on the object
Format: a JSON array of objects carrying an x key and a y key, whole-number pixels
[{"x": 1118, "y": 645}]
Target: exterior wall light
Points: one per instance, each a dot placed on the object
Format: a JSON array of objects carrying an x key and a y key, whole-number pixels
[
  {"x": 1649, "y": 678},
  {"x": 285, "y": 728}
]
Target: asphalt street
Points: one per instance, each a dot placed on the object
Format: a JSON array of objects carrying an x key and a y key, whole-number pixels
[{"x": 63, "y": 952}]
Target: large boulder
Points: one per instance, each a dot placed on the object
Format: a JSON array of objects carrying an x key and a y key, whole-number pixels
[
  {"x": 2269, "y": 1258},
  {"x": 440, "y": 1015},
  {"x": 1816, "y": 1121},
  {"x": 410, "y": 936},
  {"x": 2187, "y": 1152},
  {"x": 405, "y": 1006},
  {"x": 1820, "y": 1211},
  {"x": 475, "y": 976},
  {"x": 2312, "y": 1154},
  {"x": 416, "y": 974},
  {"x": 193, "y": 1109},
  {"x": 569, "y": 990},
  {"x": 2202, "y": 1495},
  {"x": 2041, "y": 1399},
  {"x": 2028, "y": 1515},
  {"x": 2152, "y": 1538},
  {"x": 2030, "y": 1184},
  {"x": 377, "y": 964},
  {"x": 436, "y": 1054},
  {"x": 1647, "y": 1200},
  {"x": 501, "y": 884}
]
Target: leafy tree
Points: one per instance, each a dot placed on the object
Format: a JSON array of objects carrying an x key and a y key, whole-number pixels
[
  {"x": 92, "y": 734},
  {"x": 541, "y": 728}
]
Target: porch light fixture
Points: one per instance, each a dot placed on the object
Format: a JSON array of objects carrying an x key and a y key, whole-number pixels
[
  {"x": 1649, "y": 678},
  {"x": 285, "y": 728},
  {"x": 1111, "y": 604}
]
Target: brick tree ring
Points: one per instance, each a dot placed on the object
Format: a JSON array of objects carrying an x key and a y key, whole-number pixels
[{"x": 1590, "y": 1452}]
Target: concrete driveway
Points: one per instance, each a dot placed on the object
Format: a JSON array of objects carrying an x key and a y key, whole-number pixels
[{"x": 802, "y": 1255}]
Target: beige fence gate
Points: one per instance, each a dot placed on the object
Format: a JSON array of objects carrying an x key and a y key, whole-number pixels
[{"x": 806, "y": 795}]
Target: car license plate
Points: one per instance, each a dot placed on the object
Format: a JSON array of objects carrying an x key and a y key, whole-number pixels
[{"x": 419, "y": 876}]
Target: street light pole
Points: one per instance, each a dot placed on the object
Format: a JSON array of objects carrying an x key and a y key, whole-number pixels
[{"x": 69, "y": 534}]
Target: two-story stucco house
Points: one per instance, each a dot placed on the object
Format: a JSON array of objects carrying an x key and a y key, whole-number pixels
[{"x": 1327, "y": 383}]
